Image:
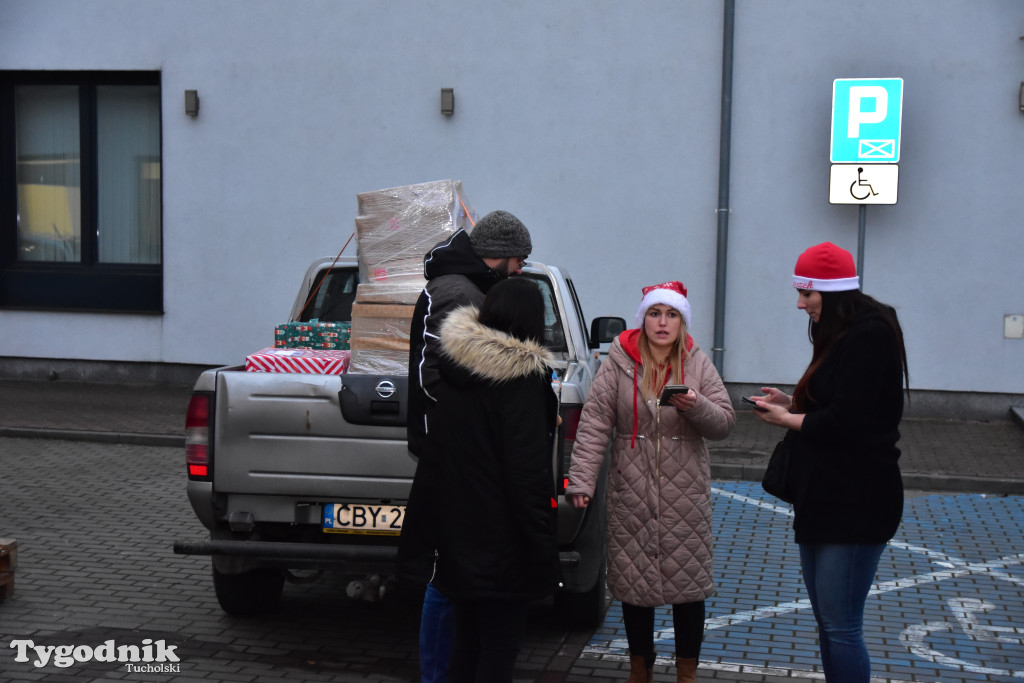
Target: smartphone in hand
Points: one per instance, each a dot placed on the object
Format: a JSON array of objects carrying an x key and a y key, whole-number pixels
[
  {"x": 747, "y": 399},
  {"x": 671, "y": 390}
]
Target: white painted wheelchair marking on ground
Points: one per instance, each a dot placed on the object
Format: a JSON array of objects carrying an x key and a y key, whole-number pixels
[
  {"x": 876, "y": 589},
  {"x": 939, "y": 558},
  {"x": 952, "y": 567},
  {"x": 964, "y": 609},
  {"x": 962, "y": 570}
]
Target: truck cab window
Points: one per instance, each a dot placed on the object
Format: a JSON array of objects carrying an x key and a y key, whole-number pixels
[
  {"x": 554, "y": 336},
  {"x": 333, "y": 301}
]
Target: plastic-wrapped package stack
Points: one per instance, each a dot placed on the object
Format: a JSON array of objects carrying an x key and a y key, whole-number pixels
[{"x": 395, "y": 228}]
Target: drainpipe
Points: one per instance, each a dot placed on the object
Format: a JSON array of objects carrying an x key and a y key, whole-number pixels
[{"x": 725, "y": 142}]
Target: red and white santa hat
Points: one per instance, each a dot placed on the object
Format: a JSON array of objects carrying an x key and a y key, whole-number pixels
[
  {"x": 826, "y": 268},
  {"x": 669, "y": 293}
]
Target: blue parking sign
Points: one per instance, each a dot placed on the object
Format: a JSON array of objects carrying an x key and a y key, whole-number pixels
[{"x": 867, "y": 114}]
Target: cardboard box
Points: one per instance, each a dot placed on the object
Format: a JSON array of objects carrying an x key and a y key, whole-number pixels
[
  {"x": 381, "y": 326},
  {"x": 398, "y": 311},
  {"x": 386, "y": 293},
  {"x": 380, "y": 344},
  {"x": 8, "y": 563}
]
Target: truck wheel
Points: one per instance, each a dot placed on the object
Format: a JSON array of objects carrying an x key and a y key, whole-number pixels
[
  {"x": 248, "y": 594},
  {"x": 584, "y": 611}
]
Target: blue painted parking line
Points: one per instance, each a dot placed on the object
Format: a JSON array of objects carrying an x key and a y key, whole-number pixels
[{"x": 948, "y": 602}]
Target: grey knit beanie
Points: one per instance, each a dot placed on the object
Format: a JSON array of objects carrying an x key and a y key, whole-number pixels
[{"x": 499, "y": 234}]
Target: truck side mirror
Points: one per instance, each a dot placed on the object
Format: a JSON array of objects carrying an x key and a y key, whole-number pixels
[{"x": 605, "y": 329}]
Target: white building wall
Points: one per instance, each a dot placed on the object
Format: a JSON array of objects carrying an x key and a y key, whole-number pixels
[{"x": 597, "y": 123}]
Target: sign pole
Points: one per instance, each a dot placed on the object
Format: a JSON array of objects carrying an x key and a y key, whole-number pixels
[{"x": 861, "y": 222}]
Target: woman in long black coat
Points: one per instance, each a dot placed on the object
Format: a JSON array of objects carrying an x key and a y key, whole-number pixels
[
  {"x": 843, "y": 420},
  {"x": 496, "y": 422}
]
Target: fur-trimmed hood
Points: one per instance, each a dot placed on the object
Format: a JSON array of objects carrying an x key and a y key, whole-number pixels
[{"x": 488, "y": 353}]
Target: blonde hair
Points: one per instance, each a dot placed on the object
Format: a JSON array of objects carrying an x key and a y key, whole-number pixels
[{"x": 677, "y": 357}]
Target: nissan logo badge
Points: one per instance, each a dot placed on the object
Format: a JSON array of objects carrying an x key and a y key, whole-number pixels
[{"x": 386, "y": 388}]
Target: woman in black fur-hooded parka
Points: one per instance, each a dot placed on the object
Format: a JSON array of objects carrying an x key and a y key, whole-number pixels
[{"x": 495, "y": 421}]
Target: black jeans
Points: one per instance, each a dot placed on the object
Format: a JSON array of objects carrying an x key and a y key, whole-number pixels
[
  {"x": 687, "y": 619},
  {"x": 487, "y": 635}
]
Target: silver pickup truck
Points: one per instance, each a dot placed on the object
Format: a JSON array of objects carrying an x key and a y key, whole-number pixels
[{"x": 298, "y": 473}]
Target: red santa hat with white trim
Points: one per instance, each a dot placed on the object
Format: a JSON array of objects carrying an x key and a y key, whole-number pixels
[
  {"x": 668, "y": 293},
  {"x": 826, "y": 268}
]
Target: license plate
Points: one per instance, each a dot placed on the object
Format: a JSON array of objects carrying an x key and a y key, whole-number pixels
[{"x": 351, "y": 518}]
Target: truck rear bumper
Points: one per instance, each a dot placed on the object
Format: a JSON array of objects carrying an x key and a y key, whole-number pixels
[
  {"x": 308, "y": 551},
  {"x": 313, "y": 551}
]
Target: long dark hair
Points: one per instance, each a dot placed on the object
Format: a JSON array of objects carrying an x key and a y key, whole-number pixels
[
  {"x": 838, "y": 311},
  {"x": 515, "y": 306}
]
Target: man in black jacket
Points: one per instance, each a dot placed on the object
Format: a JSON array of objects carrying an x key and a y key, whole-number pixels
[{"x": 459, "y": 271}]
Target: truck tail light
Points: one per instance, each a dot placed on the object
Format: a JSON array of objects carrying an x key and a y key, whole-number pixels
[
  {"x": 567, "y": 439},
  {"x": 197, "y": 436}
]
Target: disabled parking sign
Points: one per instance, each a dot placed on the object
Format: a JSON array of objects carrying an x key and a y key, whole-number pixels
[{"x": 867, "y": 114}]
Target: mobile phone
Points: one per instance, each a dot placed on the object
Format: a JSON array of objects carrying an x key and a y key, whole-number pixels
[
  {"x": 747, "y": 399},
  {"x": 671, "y": 390}
]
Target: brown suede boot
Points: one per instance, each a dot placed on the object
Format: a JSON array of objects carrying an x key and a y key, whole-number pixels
[
  {"x": 639, "y": 672},
  {"x": 686, "y": 670}
]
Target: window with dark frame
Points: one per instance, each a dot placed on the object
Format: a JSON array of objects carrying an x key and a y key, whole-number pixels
[{"x": 80, "y": 191}]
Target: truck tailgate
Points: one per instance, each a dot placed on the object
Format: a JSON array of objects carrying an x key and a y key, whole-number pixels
[{"x": 284, "y": 434}]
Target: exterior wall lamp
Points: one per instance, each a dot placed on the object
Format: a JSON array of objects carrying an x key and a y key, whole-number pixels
[
  {"x": 447, "y": 101},
  {"x": 192, "y": 102}
]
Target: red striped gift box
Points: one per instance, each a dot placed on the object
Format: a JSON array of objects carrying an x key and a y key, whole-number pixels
[{"x": 307, "y": 361}]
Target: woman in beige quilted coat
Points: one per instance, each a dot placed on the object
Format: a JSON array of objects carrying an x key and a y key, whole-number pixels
[{"x": 659, "y": 477}]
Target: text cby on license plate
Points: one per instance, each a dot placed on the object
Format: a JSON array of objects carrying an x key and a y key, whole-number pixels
[{"x": 352, "y": 518}]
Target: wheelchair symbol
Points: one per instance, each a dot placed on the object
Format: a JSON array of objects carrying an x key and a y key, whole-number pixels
[
  {"x": 860, "y": 183},
  {"x": 964, "y": 609}
]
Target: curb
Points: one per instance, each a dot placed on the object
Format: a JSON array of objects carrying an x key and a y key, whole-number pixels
[
  {"x": 726, "y": 470},
  {"x": 963, "y": 484},
  {"x": 912, "y": 481},
  {"x": 130, "y": 438},
  {"x": 1017, "y": 415}
]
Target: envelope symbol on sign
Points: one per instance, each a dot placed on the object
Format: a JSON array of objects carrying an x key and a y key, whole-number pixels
[{"x": 876, "y": 149}]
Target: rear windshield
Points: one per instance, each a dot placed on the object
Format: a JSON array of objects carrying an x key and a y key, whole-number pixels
[{"x": 332, "y": 301}]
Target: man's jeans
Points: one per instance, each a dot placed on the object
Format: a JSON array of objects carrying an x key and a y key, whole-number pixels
[
  {"x": 437, "y": 630},
  {"x": 838, "y": 578}
]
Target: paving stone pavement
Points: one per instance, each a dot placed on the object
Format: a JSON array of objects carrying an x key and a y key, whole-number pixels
[
  {"x": 95, "y": 523},
  {"x": 97, "y": 503}
]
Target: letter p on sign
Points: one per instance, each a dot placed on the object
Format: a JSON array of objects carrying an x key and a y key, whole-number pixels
[{"x": 858, "y": 95}]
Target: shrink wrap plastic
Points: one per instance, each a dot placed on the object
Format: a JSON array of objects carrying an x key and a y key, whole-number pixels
[
  {"x": 395, "y": 229},
  {"x": 378, "y": 293},
  {"x": 377, "y": 362}
]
